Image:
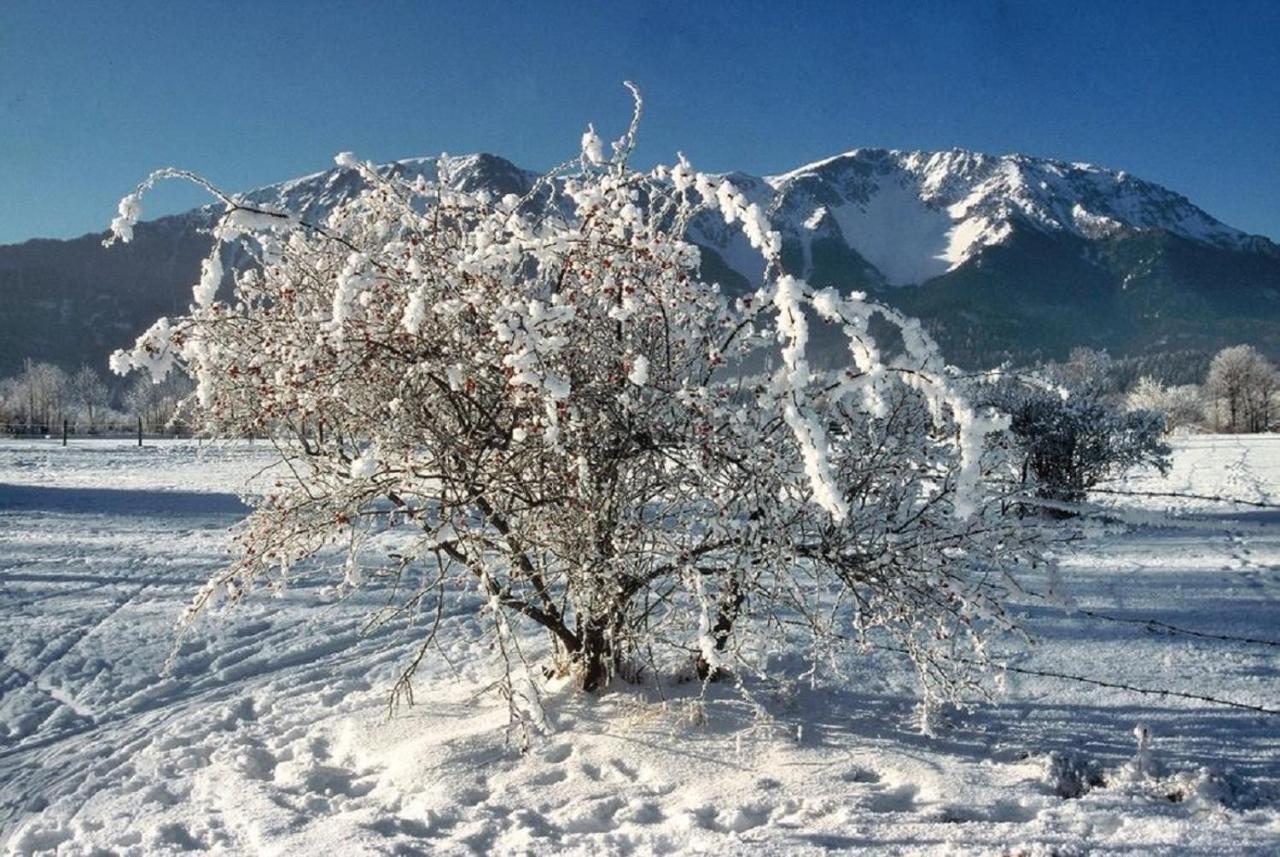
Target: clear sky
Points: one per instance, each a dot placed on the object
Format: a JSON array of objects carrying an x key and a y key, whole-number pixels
[{"x": 94, "y": 95}]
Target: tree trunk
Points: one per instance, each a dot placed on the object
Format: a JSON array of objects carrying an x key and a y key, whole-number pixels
[
  {"x": 726, "y": 614},
  {"x": 597, "y": 655}
]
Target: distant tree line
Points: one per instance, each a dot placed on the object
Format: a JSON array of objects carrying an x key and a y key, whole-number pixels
[
  {"x": 1240, "y": 393},
  {"x": 41, "y": 396},
  {"x": 1234, "y": 391}
]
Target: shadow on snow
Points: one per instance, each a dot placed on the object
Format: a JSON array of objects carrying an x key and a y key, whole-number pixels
[{"x": 117, "y": 501}]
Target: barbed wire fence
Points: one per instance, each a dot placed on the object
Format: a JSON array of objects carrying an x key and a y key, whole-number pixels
[{"x": 1150, "y": 623}]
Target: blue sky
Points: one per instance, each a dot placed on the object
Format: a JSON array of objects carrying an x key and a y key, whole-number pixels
[{"x": 94, "y": 95}]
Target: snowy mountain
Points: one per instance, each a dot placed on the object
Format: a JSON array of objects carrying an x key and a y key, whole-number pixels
[
  {"x": 313, "y": 197},
  {"x": 1003, "y": 257},
  {"x": 917, "y": 215}
]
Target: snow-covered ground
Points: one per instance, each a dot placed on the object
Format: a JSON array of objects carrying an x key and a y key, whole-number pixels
[{"x": 270, "y": 733}]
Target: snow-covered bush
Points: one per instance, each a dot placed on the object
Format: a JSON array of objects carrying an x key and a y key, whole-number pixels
[
  {"x": 1066, "y": 441},
  {"x": 582, "y": 430}
]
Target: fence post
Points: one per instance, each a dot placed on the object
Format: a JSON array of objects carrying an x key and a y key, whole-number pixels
[
  {"x": 139, "y": 431},
  {"x": 64, "y": 431}
]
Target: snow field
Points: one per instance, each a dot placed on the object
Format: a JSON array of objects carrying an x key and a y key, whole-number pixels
[{"x": 271, "y": 734}]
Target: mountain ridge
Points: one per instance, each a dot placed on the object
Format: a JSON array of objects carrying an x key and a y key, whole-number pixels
[{"x": 991, "y": 251}]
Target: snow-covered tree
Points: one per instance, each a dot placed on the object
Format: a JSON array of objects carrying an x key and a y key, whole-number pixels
[
  {"x": 1085, "y": 369},
  {"x": 10, "y": 412},
  {"x": 89, "y": 394},
  {"x": 1181, "y": 406},
  {"x": 586, "y": 433},
  {"x": 1146, "y": 395},
  {"x": 156, "y": 400},
  {"x": 37, "y": 398},
  {"x": 1243, "y": 387}
]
